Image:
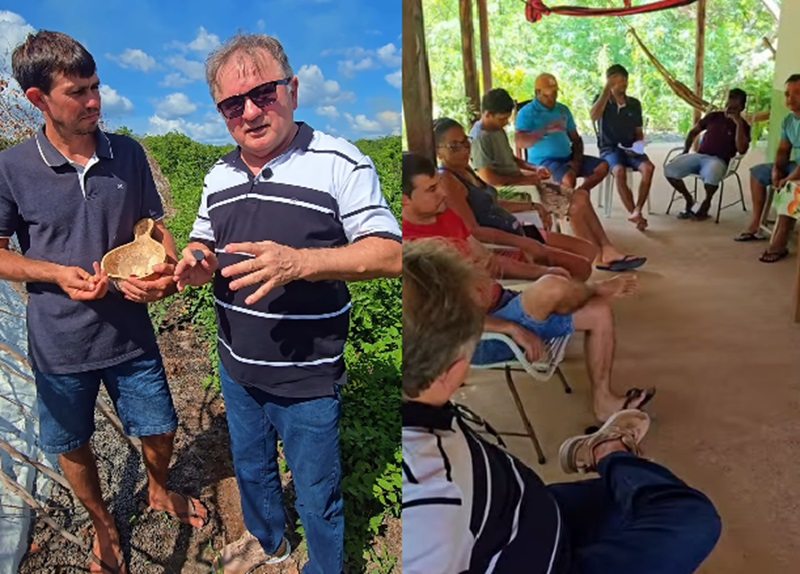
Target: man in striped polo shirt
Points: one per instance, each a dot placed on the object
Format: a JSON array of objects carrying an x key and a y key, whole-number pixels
[
  {"x": 284, "y": 220},
  {"x": 471, "y": 507}
]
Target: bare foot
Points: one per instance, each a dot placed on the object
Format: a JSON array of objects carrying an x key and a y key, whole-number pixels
[
  {"x": 609, "y": 254},
  {"x": 185, "y": 508},
  {"x": 638, "y": 219},
  {"x": 617, "y": 286},
  {"x": 107, "y": 557},
  {"x": 606, "y": 406}
]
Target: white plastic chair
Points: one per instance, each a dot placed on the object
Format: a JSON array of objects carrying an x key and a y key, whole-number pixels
[
  {"x": 732, "y": 171},
  {"x": 605, "y": 191},
  {"x": 541, "y": 370}
]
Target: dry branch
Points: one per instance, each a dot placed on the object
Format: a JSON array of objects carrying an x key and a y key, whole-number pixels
[{"x": 37, "y": 465}]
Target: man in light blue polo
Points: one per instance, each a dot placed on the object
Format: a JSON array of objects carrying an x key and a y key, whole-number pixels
[
  {"x": 786, "y": 167},
  {"x": 71, "y": 193},
  {"x": 546, "y": 127}
]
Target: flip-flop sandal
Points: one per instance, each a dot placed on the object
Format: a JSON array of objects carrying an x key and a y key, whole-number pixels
[
  {"x": 636, "y": 393},
  {"x": 688, "y": 214},
  {"x": 625, "y": 264},
  {"x": 768, "y": 257},
  {"x": 747, "y": 236},
  {"x": 183, "y": 517}
]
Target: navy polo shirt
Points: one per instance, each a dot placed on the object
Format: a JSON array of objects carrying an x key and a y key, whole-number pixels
[
  {"x": 618, "y": 123},
  {"x": 322, "y": 192},
  {"x": 57, "y": 219}
]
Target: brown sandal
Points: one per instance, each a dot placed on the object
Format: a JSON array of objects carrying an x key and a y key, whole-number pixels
[{"x": 629, "y": 426}]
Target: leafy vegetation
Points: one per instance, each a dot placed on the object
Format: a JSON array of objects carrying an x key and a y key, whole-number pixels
[
  {"x": 578, "y": 51},
  {"x": 370, "y": 426}
]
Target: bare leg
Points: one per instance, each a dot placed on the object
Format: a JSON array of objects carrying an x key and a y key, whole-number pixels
[
  {"x": 625, "y": 193},
  {"x": 157, "y": 452},
  {"x": 680, "y": 187},
  {"x": 586, "y": 225},
  {"x": 780, "y": 236},
  {"x": 80, "y": 470},
  {"x": 555, "y": 294},
  {"x": 705, "y": 206},
  {"x": 572, "y": 244},
  {"x": 596, "y": 177},
  {"x": 579, "y": 267},
  {"x": 759, "y": 194},
  {"x": 646, "y": 169}
]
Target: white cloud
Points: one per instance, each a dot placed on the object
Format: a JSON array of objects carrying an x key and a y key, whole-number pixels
[
  {"x": 395, "y": 79},
  {"x": 135, "y": 59},
  {"x": 204, "y": 42},
  {"x": 113, "y": 102},
  {"x": 331, "y": 130},
  {"x": 314, "y": 89},
  {"x": 211, "y": 130},
  {"x": 175, "y": 80},
  {"x": 174, "y": 105},
  {"x": 13, "y": 31},
  {"x": 261, "y": 24},
  {"x": 389, "y": 55},
  {"x": 386, "y": 122},
  {"x": 192, "y": 69},
  {"x": 348, "y": 68},
  {"x": 329, "y": 111}
]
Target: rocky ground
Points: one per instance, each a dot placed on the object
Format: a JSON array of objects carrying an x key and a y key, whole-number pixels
[{"x": 155, "y": 543}]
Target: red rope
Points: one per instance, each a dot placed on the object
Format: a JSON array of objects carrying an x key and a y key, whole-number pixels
[{"x": 536, "y": 9}]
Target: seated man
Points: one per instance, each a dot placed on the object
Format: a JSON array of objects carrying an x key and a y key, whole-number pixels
[
  {"x": 552, "y": 307},
  {"x": 546, "y": 127},
  {"x": 726, "y": 134},
  {"x": 470, "y": 506},
  {"x": 494, "y": 160},
  {"x": 784, "y": 168},
  {"x": 620, "y": 127}
]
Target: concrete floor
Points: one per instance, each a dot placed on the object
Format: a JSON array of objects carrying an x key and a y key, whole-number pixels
[{"x": 711, "y": 328}]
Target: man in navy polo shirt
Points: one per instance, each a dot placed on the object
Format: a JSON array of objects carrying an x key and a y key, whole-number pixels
[
  {"x": 70, "y": 194},
  {"x": 546, "y": 127},
  {"x": 621, "y": 140},
  {"x": 287, "y": 217}
]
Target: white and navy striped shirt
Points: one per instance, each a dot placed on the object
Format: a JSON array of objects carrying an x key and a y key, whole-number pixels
[
  {"x": 322, "y": 192},
  {"x": 468, "y": 505}
]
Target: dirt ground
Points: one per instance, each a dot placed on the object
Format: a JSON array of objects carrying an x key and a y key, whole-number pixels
[{"x": 155, "y": 543}]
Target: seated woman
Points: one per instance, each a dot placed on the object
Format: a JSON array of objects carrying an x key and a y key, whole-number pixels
[{"x": 491, "y": 220}]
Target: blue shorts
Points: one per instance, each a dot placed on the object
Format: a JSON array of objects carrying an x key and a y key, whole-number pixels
[
  {"x": 556, "y": 325},
  {"x": 615, "y": 157},
  {"x": 762, "y": 172},
  {"x": 559, "y": 168},
  {"x": 137, "y": 387}
]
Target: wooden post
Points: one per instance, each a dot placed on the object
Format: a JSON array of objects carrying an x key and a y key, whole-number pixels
[
  {"x": 468, "y": 57},
  {"x": 417, "y": 101},
  {"x": 797, "y": 286},
  {"x": 699, "y": 54},
  {"x": 486, "y": 60}
]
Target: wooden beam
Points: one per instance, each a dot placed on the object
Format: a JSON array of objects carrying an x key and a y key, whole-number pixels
[
  {"x": 486, "y": 60},
  {"x": 699, "y": 55},
  {"x": 468, "y": 57},
  {"x": 417, "y": 100}
]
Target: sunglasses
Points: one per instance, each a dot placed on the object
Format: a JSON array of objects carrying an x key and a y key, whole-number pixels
[{"x": 262, "y": 95}]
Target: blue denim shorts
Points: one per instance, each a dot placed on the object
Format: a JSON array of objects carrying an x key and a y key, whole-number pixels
[
  {"x": 615, "y": 157},
  {"x": 137, "y": 387},
  {"x": 763, "y": 172},
  {"x": 556, "y": 325},
  {"x": 559, "y": 168}
]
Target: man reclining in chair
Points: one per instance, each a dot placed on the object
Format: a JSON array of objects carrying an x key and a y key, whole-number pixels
[
  {"x": 471, "y": 507},
  {"x": 726, "y": 134},
  {"x": 495, "y": 162},
  {"x": 551, "y": 307}
]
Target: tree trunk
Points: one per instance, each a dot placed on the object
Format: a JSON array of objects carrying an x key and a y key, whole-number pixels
[
  {"x": 417, "y": 101},
  {"x": 468, "y": 58},
  {"x": 699, "y": 55},
  {"x": 486, "y": 60}
]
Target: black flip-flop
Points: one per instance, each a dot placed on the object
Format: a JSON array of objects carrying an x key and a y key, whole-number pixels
[
  {"x": 636, "y": 393},
  {"x": 745, "y": 236},
  {"x": 768, "y": 257},
  {"x": 625, "y": 264},
  {"x": 688, "y": 214}
]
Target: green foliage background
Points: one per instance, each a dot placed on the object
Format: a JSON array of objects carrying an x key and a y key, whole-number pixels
[
  {"x": 370, "y": 426},
  {"x": 578, "y": 51}
]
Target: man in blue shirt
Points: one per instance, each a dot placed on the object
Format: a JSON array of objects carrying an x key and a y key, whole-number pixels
[
  {"x": 546, "y": 127},
  {"x": 784, "y": 168},
  {"x": 71, "y": 193},
  {"x": 621, "y": 140}
]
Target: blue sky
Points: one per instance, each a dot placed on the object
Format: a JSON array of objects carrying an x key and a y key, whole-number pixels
[{"x": 150, "y": 57}]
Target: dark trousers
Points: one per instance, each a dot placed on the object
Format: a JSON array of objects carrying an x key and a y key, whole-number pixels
[{"x": 637, "y": 518}]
